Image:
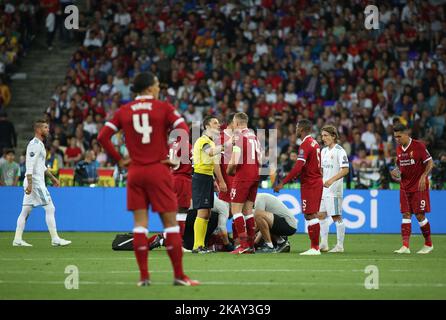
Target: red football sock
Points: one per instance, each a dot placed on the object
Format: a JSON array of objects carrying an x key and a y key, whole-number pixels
[
  {"x": 151, "y": 239},
  {"x": 250, "y": 229},
  {"x": 406, "y": 230},
  {"x": 239, "y": 224},
  {"x": 182, "y": 225},
  {"x": 234, "y": 231},
  {"x": 174, "y": 246},
  {"x": 314, "y": 231},
  {"x": 141, "y": 249},
  {"x": 426, "y": 230}
]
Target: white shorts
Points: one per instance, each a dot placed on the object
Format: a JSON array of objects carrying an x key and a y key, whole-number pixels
[
  {"x": 39, "y": 197},
  {"x": 331, "y": 205}
]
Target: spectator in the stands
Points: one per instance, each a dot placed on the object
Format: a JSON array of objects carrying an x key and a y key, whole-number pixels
[{"x": 9, "y": 169}]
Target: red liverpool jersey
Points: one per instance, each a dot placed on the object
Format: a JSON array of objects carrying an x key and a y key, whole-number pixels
[
  {"x": 249, "y": 163},
  {"x": 308, "y": 163},
  {"x": 185, "y": 165},
  {"x": 225, "y": 135},
  {"x": 412, "y": 161},
  {"x": 146, "y": 123}
]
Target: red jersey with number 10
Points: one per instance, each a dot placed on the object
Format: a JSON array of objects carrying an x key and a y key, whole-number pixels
[
  {"x": 146, "y": 123},
  {"x": 412, "y": 162}
]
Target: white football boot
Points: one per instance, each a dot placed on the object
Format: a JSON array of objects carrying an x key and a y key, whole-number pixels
[
  {"x": 311, "y": 252},
  {"x": 60, "y": 242},
  {"x": 21, "y": 243},
  {"x": 337, "y": 249},
  {"x": 402, "y": 250},
  {"x": 425, "y": 249}
]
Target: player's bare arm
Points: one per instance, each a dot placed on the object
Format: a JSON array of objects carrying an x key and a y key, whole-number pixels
[
  {"x": 221, "y": 182},
  {"x": 235, "y": 156},
  {"x": 427, "y": 170},
  {"x": 53, "y": 179},
  {"x": 341, "y": 174},
  {"x": 29, "y": 188}
]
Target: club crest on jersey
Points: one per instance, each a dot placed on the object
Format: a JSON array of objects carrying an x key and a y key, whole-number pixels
[{"x": 411, "y": 154}]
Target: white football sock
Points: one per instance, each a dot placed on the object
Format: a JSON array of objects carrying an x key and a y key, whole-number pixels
[
  {"x": 21, "y": 221},
  {"x": 340, "y": 232},
  {"x": 269, "y": 244},
  {"x": 51, "y": 220},
  {"x": 280, "y": 240},
  {"x": 325, "y": 228}
]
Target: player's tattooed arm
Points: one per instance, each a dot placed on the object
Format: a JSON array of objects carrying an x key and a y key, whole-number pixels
[
  {"x": 427, "y": 171},
  {"x": 53, "y": 179},
  {"x": 29, "y": 188}
]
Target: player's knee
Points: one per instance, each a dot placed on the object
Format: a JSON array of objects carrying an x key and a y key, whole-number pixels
[
  {"x": 321, "y": 215},
  {"x": 337, "y": 219},
  {"x": 407, "y": 215},
  {"x": 420, "y": 216}
]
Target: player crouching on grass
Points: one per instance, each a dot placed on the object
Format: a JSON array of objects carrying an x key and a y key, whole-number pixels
[
  {"x": 275, "y": 222},
  {"x": 334, "y": 169},
  {"x": 414, "y": 163}
]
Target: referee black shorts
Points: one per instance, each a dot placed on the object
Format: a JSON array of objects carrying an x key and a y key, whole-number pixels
[
  {"x": 281, "y": 227},
  {"x": 202, "y": 191}
]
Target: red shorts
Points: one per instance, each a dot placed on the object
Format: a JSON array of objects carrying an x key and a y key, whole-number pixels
[
  {"x": 415, "y": 202},
  {"x": 226, "y": 196},
  {"x": 311, "y": 197},
  {"x": 151, "y": 185},
  {"x": 183, "y": 189},
  {"x": 242, "y": 191}
]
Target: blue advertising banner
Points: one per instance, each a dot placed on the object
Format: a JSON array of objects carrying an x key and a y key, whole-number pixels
[{"x": 104, "y": 209}]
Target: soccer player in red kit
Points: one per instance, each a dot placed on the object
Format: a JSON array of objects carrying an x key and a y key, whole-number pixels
[
  {"x": 225, "y": 136},
  {"x": 414, "y": 165},
  {"x": 146, "y": 122},
  {"x": 182, "y": 177},
  {"x": 244, "y": 166},
  {"x": 308, "y": 166}
]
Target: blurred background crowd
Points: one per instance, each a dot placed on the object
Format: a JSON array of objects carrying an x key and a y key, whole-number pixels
[{"x": 278, "y": 61}]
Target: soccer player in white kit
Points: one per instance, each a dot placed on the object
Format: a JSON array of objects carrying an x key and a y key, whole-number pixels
[
  {"x": 334, "y": 167},
  {"x": 36, "y": 193}
]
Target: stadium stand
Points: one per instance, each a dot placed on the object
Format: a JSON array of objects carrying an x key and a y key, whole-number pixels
[{"x": 278, "y": 61}]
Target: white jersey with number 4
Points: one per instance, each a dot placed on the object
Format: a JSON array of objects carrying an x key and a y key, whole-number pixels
[{"x": 333, "y": 160}]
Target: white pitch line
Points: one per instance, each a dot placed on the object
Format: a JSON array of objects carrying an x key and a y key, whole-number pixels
[
  {"x": 237, "y": 283},
  {"x": 201, "y": 270}
]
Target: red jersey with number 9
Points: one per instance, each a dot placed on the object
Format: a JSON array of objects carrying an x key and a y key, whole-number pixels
[
  {"x": 310, "y": 153},
  {"x": 146, "y": 123}
]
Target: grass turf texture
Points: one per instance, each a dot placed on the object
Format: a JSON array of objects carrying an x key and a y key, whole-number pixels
[{"x": 38, "y": 272}]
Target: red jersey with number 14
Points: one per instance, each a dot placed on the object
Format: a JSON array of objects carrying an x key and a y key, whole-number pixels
[
  {"x": 249, "y": 162},
  {"x": 412, "y": 162},
  {"x": 146, "y": 123}
]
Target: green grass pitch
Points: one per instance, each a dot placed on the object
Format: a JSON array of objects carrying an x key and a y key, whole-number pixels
[{"x": 39, "y": 272}]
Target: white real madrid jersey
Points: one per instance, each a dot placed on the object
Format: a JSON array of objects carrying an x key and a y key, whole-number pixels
[{"x": 332, "y": 161}]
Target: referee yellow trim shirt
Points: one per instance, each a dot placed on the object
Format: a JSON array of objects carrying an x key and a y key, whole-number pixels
[{"x": 203, "y": 163}]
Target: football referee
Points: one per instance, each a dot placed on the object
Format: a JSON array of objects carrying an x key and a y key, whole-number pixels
[{"x": 206, "y": 157}]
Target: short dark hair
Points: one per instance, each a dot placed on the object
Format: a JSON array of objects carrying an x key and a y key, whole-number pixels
[
  {"x": 230, "y": 118},
  {"x": 305, "y": 125},
  {"x": 39, "y": 122},
  {"x": 8, "y": 151},
  {"x": 143, "y": 81},
  {"x": 399, "y": 127},
  {"x": 207, "y": 121}
]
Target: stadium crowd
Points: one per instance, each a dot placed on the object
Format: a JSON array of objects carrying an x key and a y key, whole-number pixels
[{"x": 278, "y": 61}]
